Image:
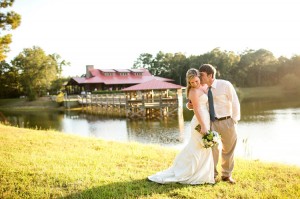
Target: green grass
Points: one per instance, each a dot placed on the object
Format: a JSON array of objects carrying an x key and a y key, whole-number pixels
[{"x": 49, "y": 164}]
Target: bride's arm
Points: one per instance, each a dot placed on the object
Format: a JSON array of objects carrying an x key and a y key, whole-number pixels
[{"x": 194, "y": 97}]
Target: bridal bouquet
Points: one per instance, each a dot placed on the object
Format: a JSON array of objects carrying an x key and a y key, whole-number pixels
[{"x": 210, "y": 139}]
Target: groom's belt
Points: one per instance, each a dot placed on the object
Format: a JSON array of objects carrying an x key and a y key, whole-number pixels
[{"x": 222, "y": 118}]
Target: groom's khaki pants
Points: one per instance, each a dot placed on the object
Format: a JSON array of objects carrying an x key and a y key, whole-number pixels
[{"x": 227, "y": 130}]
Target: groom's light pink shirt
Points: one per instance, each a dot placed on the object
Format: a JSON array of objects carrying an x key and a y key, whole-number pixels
[{"x": 226, "y": 102}]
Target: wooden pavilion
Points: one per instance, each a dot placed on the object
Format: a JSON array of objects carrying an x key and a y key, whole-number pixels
[
  {"x": 109, "y": 80},
  {"x": 153, "y": 98}
]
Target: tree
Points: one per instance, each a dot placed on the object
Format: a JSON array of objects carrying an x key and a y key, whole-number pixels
[
  {"x": 145, "y": 60},
  {"x": 8, "y": 21},
  {"x": 37, "y": 70},
  {"x": 9, "y": 81},
  {"x": 178, "y": 67},
  {"x": 60, "y": 63},
  {"x": 58, "y": 85},
  {"x": 160, "y": 66},
  {"x": 259, "y": 68},
  {"x": 295, "y": 65}
]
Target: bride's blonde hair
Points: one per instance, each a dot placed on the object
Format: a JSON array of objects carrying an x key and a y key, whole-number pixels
[{"x": 190, "y": 74}]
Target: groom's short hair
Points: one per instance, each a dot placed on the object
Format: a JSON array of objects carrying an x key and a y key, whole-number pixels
[{"x": 209, "y": 69}]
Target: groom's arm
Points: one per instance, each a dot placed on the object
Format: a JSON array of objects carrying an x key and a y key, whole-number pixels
[{"x": 236, "y": 113}]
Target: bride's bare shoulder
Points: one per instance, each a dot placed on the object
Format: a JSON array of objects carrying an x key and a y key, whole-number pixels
[{"x": 196, "y": 91}]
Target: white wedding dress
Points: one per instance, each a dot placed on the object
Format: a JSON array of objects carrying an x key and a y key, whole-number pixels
[{"x": 194, "y": 164}]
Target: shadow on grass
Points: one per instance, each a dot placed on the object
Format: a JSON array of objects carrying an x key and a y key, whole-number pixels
[{"x": 133, "y": 189}]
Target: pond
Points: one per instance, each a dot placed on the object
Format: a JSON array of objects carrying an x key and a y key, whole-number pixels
[{"x": 268, "y": 130}]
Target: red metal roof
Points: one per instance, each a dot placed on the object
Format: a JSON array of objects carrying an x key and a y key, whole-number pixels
[
  {"x": 98, "y": 76},
  {"x": 153, "y": 84}
]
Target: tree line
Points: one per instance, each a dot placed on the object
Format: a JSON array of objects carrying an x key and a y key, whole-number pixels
[
  {"x": 32, "y": 73},
  {"x": 250, "y": 68}
]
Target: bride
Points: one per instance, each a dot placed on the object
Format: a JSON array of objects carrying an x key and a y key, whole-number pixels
[{"x": 194, "y": 164}]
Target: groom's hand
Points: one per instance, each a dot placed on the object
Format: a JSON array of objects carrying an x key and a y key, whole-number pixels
[{"x": 189, "y": 105}]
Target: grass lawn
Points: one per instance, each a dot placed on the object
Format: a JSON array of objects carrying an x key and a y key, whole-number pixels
[{"x": 49, "y": 164}]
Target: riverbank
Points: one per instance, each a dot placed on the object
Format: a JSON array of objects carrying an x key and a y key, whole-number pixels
[
  {"x": 24, "y": 104},
  {"x": 49, "y": 164},
  {"x": 270, "y": 92}
]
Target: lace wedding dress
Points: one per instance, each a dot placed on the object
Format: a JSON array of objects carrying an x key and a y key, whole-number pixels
[{"x": 194, "y": 164}]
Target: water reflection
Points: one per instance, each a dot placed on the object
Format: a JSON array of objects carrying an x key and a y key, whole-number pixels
[
  {"x": 257, "y": 110},
  {"x": 155, "y": 132},
  {"x": 267, "y": 130},
  {"x": 271, "y": 135},
  {"x": 34, "y": 119},
  {"x": 164, "y": 132}
]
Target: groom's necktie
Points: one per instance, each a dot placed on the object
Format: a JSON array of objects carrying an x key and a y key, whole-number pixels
[{"x": 211, "y": 105}]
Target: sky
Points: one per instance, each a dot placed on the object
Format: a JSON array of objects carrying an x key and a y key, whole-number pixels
[{"x": 113, "y": 33}]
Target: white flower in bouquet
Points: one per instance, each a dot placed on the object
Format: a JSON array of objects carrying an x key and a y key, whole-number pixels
[{"x": 210, "y": 139}]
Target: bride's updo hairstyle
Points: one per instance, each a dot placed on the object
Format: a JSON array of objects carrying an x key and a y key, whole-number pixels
[{"x": 190, "y": 74}]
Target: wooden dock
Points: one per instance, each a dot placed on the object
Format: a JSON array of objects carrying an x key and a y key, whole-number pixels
[
  {"x": 159, "y": 108},
  {"x": 122, "y": 105}
]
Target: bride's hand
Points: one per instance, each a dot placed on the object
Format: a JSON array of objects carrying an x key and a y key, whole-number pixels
[{"x": 203, "y": 131}]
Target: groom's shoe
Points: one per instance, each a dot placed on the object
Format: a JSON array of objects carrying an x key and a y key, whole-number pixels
[{"x": 228, "y": 179}]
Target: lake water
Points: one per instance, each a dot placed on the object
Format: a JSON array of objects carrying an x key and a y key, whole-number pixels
[{"x": 269, "y": 130}]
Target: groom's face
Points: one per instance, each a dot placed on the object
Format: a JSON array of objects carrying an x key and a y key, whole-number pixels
[
  {"x": 203, "y": 77},
  {"x": 206, "y": 79}
]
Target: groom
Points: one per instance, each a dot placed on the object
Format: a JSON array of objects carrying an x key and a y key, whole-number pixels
[{"x": 224, "y": 108}]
